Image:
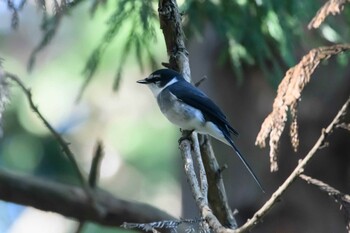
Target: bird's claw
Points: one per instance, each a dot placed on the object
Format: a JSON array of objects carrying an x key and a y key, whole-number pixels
[{"x": 186, "y": 135}]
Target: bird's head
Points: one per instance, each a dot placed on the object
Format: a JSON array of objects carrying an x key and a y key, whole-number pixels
[{"x": 160, "y": 79}]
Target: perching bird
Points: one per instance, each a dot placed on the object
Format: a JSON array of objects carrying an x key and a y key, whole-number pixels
[{"x": 189, "y": 108}]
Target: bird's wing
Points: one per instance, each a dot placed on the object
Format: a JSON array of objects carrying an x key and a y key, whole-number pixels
[{"x": 197, "y": 99}]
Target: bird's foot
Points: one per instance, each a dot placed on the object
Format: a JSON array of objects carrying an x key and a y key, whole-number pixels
[{"x": 186, "y": 135}]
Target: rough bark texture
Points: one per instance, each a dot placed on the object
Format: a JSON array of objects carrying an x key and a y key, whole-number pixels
[{"x": 170, "y": 23}]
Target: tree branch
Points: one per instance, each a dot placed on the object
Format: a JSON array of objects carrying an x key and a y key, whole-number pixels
[
  {"x": 206, "y": 211},
  {"x": 72, "y": 201},
  {"x": 170, "y": 23},
  {"x": 339, "y": 197},
  {"x": 201, "y": 201},
  {"x": 87, "y": 204},
  {"x": 297, "y": 171},
  {"x": 217, "y": 194},
  {"x": 56, "y": 135},
  {"x": 196, "y": 153}
]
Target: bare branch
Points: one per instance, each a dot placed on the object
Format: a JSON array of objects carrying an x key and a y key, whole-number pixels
[
  {"x": 170, "y": 23},
  {"x": 345, "y": 126},
  {"x": 72, "y": 201},
  {"x": 198, "y": 83},
  {"x": 56, "y": 135},
  {"x": 165, "y": 224},
  {"x": 339, "y": 197},
  {"x": 288, "y": 95},
  {"x": 95, "y": 165},
  {"x": 331, "y": 7},
  {"x": 202, "y": 174},
  {"x": 4, "y": 94},
  {"x": 217, "y": 194},
  {"x": 200, "y": 200},
  {"x": 297, "y": 171}
]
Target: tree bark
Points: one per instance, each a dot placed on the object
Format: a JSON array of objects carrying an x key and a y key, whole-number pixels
[{"x": 73, "y": 201}]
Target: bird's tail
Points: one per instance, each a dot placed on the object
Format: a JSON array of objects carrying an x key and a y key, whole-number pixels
[{"x": 229, "y": 140}]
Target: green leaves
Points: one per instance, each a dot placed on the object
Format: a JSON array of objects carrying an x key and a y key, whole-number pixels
[
  {"x": 139, "y": 17},
  {"x": 263, "y": 33}
]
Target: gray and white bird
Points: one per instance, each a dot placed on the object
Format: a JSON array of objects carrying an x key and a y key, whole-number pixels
[{"x": 189, "y": 108}]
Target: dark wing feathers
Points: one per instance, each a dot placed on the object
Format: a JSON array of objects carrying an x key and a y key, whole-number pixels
[{"x": 197, "y": 99}]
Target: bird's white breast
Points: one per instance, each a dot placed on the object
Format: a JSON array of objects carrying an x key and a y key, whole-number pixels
[
  {"x": 179, "y": 113},
  {"x": 186, "y": 116}
]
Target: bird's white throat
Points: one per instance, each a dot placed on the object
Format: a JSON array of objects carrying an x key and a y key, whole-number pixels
[{"x": 156, "y": 89}]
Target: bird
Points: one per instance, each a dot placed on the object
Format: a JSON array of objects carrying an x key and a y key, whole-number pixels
[{"x": 189, "y": 108}]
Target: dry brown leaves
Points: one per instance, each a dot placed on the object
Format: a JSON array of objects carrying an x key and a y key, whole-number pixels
[
  {"x": 331, "y": 7},
  {"x": 288, "y": 95}
]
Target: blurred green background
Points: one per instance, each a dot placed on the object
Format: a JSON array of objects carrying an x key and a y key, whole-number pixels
[{"x": 140, "y": 146}]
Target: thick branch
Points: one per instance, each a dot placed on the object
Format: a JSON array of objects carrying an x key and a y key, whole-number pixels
[
  {"x": 56, "y": 135},
  {"x": 74, "y": 202},
  {"x": 201, "y": 201},
  {"x": 170, "y": 23},
  {"x": 217, "y": 194}
]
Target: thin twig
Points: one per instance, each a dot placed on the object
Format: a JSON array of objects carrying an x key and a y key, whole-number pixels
[
  {"x": 345, "y": 126},
  {"x": 94, "y": 175},
  {"x": 202, "y": 174},
  {"x": 330, "y": 7},
  {"x": 324, "y": 187},
  {"x": 165, "y": 224},
  {"x": 297, "y": 171},
  {"x": 198, "y": 83},
  {"x": 56, "y": 135},
  {"x": 339, "y": 197},
  {"x": 95, "y": 165}
]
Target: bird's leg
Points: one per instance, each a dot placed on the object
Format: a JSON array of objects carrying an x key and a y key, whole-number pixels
[{"x": 186, "y": 134}]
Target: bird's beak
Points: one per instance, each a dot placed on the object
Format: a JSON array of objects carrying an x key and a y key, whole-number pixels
[{"x": 142, "y": 81}]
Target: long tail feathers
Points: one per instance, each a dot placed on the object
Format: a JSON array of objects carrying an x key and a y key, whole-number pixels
[{"x": 245, "y": 163}]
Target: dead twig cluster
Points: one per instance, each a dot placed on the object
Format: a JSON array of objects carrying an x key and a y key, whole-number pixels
[
  {"x": 331, "y": 7},
  {"x": 288, "y": 96},
  {"x": 297, "y": 171}
]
